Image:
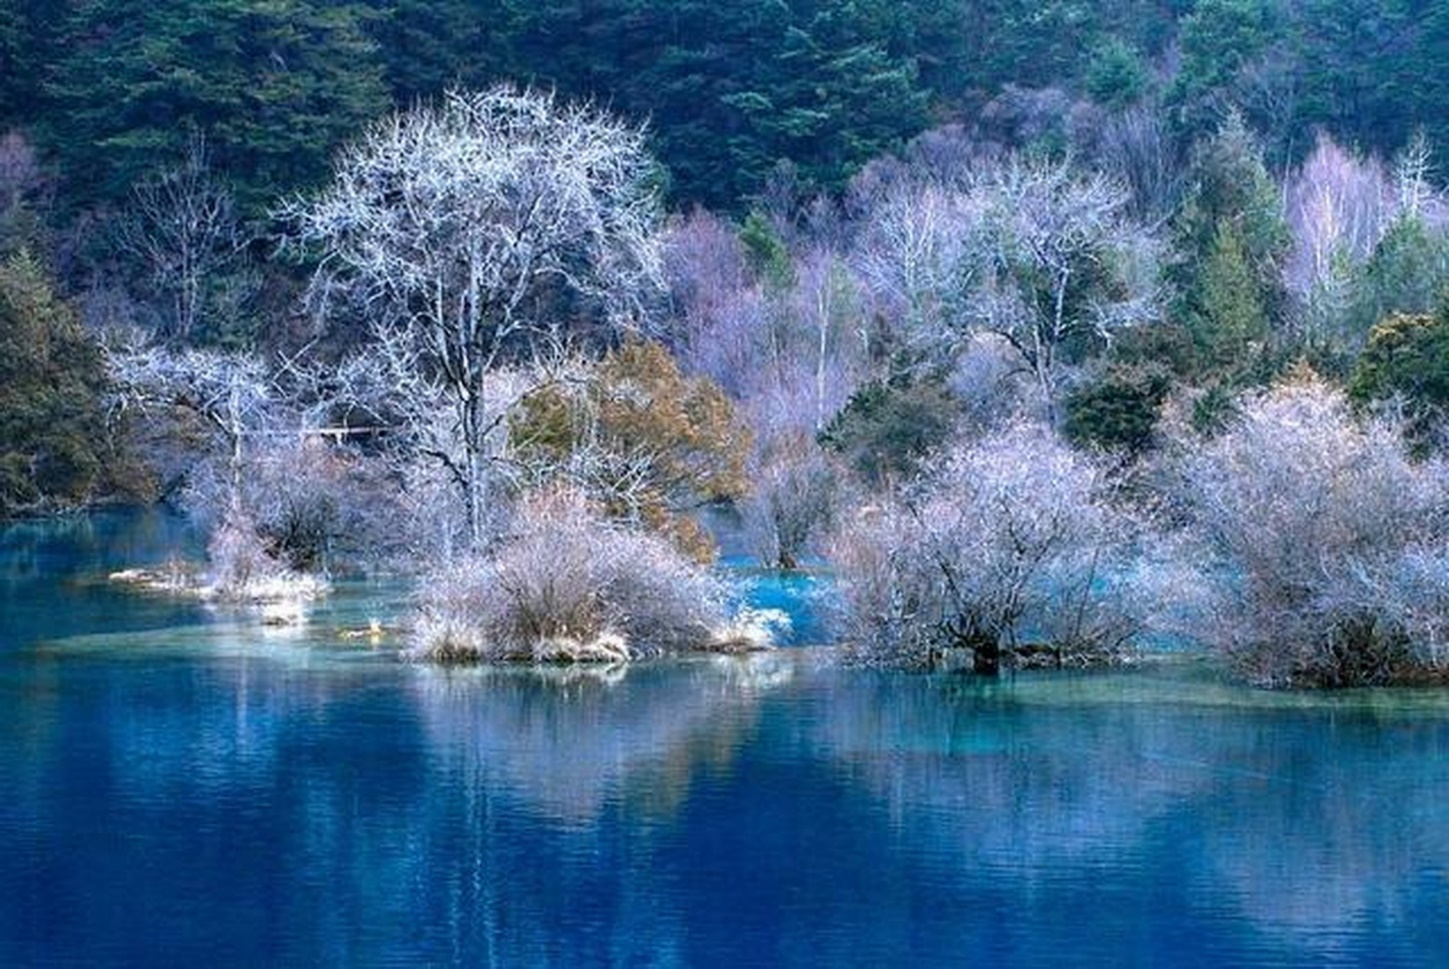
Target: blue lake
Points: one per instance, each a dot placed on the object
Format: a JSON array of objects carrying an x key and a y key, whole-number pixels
[{"x": 181, "y": 787}]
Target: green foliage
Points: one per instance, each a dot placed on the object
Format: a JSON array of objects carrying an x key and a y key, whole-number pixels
[
  {"x": 1232, "y": 243},
  {"x": 767, "y": 253},
  {"x": 1368, "y": 69},
  {"x": 1029, "y": 43},
  {"x": 1218, "y": 38},
  {"x": 1230, "y": 180},
  {"x": 30, "y": 41},
  {"x": 1116, "y": 75},
  {"x": 428, "y": 46},
  {"x": 1406, "y": 274},
  {"x": 1118, "y": 412},
  {"x": 1232, "y": 324},
  {"x": 1213, "y": 410},
  {"x": 52, "y": 430},
  {"x": 274, "y": 86},
  {"x": 888, "y": 427},
  {"x": 1407, "y": 357},
  {"x": 732, "y": 89}
]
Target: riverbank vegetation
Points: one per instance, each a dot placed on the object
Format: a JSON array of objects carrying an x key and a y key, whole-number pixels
[{"x": 1050, "y": 330}]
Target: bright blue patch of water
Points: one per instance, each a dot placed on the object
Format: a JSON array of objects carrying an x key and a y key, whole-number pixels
[{"x": 803, "y": 596}]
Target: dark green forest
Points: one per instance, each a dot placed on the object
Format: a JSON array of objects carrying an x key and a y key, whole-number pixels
[
  {"x": 112, "y": 90},
  {"x": 977, "y": 301}
]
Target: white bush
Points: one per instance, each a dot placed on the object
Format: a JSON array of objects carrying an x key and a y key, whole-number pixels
[
  {"x": 1012, "y": 549},
  {"x": 568, "y": 585},
  {"x": 1331, "y": 566}
]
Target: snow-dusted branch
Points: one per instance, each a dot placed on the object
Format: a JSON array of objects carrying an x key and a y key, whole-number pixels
[{"x": 462, "y": 228}]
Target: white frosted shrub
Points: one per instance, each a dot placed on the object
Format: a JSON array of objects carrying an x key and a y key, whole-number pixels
[
  {"x": 1011, "y": 551},
  {"x": 1329, "y": 540},
  {"x": 567, "y": 585}
]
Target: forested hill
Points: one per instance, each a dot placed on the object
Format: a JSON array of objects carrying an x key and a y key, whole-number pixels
[{"x": 111, "y": 90}]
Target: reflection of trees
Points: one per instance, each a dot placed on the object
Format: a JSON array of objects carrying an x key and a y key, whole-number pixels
[
  {"x": 52, "y": 574},
  {"x": 1298, "y": 817},
  {"x": 1332, "y": 820},
  {"x": 251, "y": 802},
  {"x": 552, "y": 788},
  {"x": 429, "y": 814},
  {"x": 1027, "y": 775},
  {"x": 572, "y": 742}
]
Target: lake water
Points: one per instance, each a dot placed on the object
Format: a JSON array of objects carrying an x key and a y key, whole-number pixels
[{"x": 179, "y": 787}]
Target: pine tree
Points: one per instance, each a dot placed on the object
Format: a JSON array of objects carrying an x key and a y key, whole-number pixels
[
  {"x": 52, "y": 431},
  {"x": 274, "y": 86}
]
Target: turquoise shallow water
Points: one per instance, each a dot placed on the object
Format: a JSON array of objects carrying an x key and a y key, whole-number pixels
[{"x": 182, "y": 787}]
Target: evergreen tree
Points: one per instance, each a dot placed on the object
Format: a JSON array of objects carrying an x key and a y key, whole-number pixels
[
  {"x": 1358, "y": 72},
  {"x": 1406, "y": 274},
  {"x": 1407, "y": 357},
  {"x": 1231, "y": 323},
  {"x": 428, "y": 46},
  {"x": 27, "y": 44},
  {"x": 1219, "y": 38},
  {"x": 52, "y": 430},
  {"x": 1231, "y": 245},
  {"x": 273, "y": 85},
  {"x": 730, "y": 91}
]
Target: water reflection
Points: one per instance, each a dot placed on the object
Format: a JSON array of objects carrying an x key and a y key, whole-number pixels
[
  {"x": 196, "y": 790},
  {"x": 1307, "y": 828},
  {"x": 575, "y": 741},
  {"x": 52, "y": 574}
]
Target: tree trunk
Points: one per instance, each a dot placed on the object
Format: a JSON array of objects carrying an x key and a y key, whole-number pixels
[{"x": 986, "y": 658}]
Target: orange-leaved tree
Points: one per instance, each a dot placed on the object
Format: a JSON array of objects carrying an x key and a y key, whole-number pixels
[{"x": 648, "y": 443}]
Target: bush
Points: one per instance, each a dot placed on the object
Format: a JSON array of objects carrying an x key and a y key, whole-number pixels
[
  {"x": 1330, "y": 565},
  {"x": 1118, "y": 412},
  {"x": 1407, "y": 357},
  {"x": 243, "y": 570},
  {"x": 792, "y": 502},
  {"x": 1012, "y": 551},
  {"x": 569, "y": 585},
  {"x": 306, "y": 499}
]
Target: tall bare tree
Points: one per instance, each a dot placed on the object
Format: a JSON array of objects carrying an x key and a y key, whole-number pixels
[
  {"x": 1055, "y": 260},
  {"x": 462, "y": 227},
  {"x": 182, "y": 227}
]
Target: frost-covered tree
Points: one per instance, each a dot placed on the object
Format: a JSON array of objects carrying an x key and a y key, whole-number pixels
[
  {"x": 225, "y": 399},
  {"x": 1330, "y": 566},
  {"x": 1012, "y": 547},
  {"x": 183, "y": 229},
  {"x": 1055, "y": 266},
  {"x": 1041, "y": 257},
  {"x": 469, "y": 229}
]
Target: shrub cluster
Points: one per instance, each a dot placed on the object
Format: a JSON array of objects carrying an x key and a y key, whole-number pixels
[
  {"x": 1012, "y": 551},
  {"x": 1329, "y": 543},
  {"x": 569, "y": 585}
]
